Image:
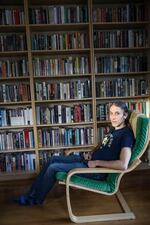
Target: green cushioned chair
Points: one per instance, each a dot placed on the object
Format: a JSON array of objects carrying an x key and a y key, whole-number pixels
[{"x": 141, "y": 128}]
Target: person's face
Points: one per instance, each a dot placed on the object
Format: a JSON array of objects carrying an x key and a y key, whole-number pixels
[{"x": 117, "y": 117}]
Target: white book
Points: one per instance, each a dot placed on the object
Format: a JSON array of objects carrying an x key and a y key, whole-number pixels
[
  {"x": 68, "y": 114},
  {"x": 38, "y": 115},
  {"x": 4, "y": 92},
  {"x": 32, "y": 161},
  {"x": 91, "y": 138},
  {"x": 44, "y": 88},
  {"x": 30, "y": 116},
  {"x": 62, "y": 14},
  {"x": 82, "y": 136},
  {"x": 61, "y": 91},
  {"x": 26, "y": 117},
  {"x": 67, "y": 91},
  {"x": 59, "y": 114},
  {"x": 17, "y": 120},
  {"x": 79, "y": 89}
]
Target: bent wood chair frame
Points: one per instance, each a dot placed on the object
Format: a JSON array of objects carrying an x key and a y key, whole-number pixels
[{"x": 127, "y": 213}]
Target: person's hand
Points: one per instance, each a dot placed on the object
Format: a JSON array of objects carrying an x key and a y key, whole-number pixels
[
  {"x": 87, "y": 155},
  {"x": 92, "y": 164}
]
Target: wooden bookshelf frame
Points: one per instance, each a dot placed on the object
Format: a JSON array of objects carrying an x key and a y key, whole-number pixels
[{"x": 90, "y": 52}]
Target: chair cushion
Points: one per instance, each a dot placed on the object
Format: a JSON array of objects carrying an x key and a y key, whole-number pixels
[
  {"x": 108, "y": 185},
  {"x": 141, "y": 137}
]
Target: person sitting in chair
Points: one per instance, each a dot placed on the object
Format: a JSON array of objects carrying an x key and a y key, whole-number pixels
[{"x": 114, "y": 152}]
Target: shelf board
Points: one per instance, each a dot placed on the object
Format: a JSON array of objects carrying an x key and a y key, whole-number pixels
[
  {"x": 124, "y": 73},
  {"x": 103, "y": 122},
  {"x": 13, "y": 28},
  {"x": 17, "y": 150},
  {"x": 16, "y": 127},
  {"x": 62, "y": 76},
  {"x": 54, "y": 2},
  {"x": 59, "y": 27},
  {"x": 13, "y": 53},
  {"x": 76, "y": 147},
  {"x": 62, "y": 52},
  {"x": 15, "y": 103},
  {"x": 120, "y": 50},
  {"x": 123, "y": 97},
  {"x": 51, "y": 101},
  {"x": 116, "y": 25},
  {"x": 62, "y": 125},
  {"x": 14, "y": 78}
]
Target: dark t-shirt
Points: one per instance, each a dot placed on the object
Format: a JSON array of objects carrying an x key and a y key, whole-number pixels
[
  {"x": 110, "y": 149},
  {"x": 112, "y": 144}
]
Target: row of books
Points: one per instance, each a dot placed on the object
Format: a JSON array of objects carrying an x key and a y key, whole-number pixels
[
  {"x": 119, "y": 13},
  {"x": 16, "y": 139},
  {"x": 60, "y": 66},
  {"x": 121, "y": 87},
  {"x": 60, "y": 14},
  {"x": 140, "y": 106},
  {"x": 15, "y": 92},
  {"x": 120, "y": 63},
  {"x": 52, "y": 14},
  {"x": 59, "y": 41},
  {"x": 15, "y": 116},
  {"x": 120, "y": 38},
  {"x": 102, "y": 109},
  {"x": 72, "y": 65},
  {"x": 73, "y": 89},
  {"x": 17, "y": 162},
  {"x": 12, "y": 42},
  {"x": 9, "y": 16},
  {"x": 49, "y": 137},
  {"x": 55, "y": 114},
  {"x": 13, "y": 67}
]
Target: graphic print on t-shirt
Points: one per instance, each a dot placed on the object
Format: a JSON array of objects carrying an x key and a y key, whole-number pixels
[{"x": 107, "y": 140}]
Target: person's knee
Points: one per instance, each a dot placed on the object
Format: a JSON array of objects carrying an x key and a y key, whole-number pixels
[{"x": 52, "y": 168}]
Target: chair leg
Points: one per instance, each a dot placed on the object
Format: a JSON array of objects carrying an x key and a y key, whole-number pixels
[{"x": 125, "y": 215}]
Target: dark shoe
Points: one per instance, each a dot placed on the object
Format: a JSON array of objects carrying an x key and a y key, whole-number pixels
[{"x": 24, "y": 200}]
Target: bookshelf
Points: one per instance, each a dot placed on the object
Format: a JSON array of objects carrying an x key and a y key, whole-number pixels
[{"x": 61, "y": 63}]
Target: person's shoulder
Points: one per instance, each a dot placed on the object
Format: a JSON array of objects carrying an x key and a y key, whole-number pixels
[
  {"x": 128, "y": 132},
  {"x": 128, "y": 129},
  {"x": 125, "y": 131}
]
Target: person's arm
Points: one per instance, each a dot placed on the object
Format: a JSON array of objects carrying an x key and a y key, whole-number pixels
[{"x": 121, "y": 164}]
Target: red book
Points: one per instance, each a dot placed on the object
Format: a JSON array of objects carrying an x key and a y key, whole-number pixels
[{"x": 27, "y": 139}]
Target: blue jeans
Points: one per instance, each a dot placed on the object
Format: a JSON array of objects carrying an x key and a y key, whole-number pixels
[{"x": 47, "y": 177}]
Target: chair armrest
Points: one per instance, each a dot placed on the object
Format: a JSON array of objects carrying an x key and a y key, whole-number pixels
[
  {"x": 94, "y": 170},
  {"x": 90, "y": 170}
]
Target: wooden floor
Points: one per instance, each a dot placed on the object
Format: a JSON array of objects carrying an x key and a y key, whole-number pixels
[{"x": 134, "y": 186}]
